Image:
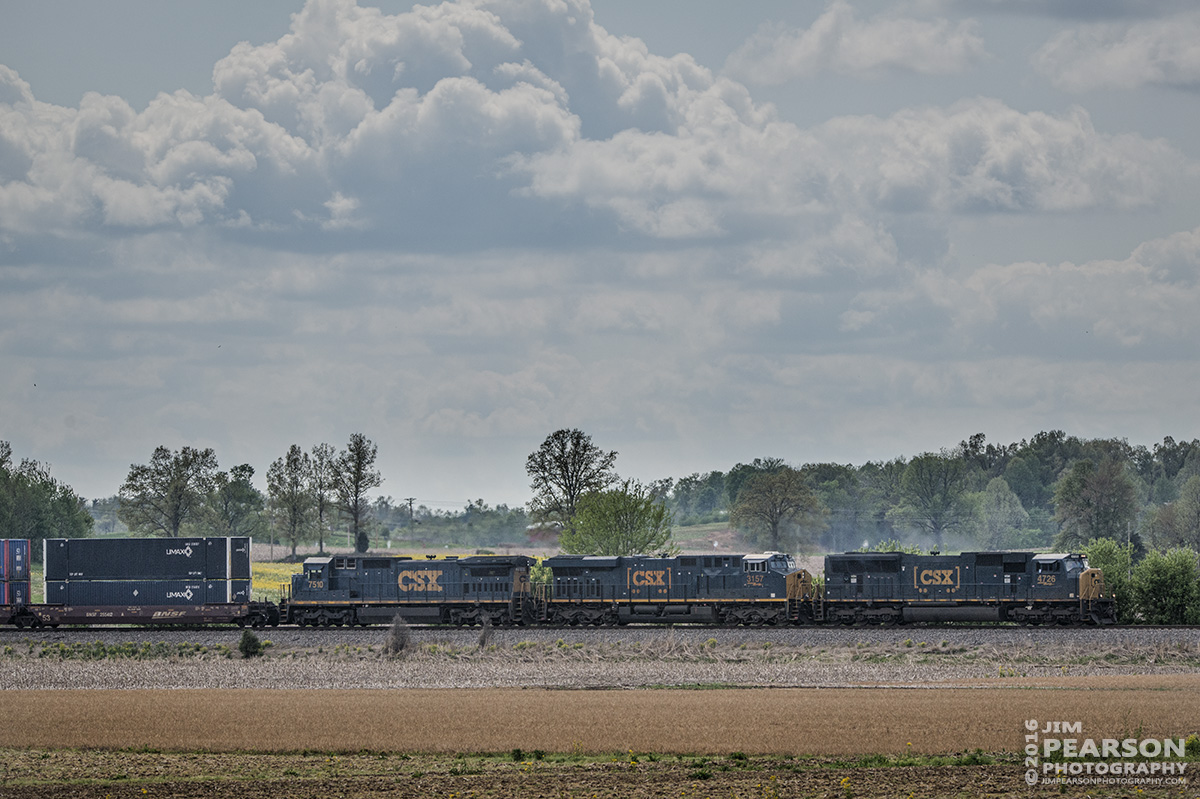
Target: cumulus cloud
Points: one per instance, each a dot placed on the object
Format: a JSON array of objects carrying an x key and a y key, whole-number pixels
[
  {"x": 1122, "y": 308},
  {"x": 981, "y": 155},
  {"x": 459, "y": 227},
  {"x": 532, "y": 122},
  {"x": 839, "y": 41},
  {"x": 1162, "y": 51}
]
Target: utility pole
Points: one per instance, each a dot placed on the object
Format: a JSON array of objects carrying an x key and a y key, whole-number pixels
[{"x": 410, "y": 501}]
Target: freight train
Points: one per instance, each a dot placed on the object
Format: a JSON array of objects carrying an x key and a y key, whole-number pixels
[{"x": 88, "y": 582}]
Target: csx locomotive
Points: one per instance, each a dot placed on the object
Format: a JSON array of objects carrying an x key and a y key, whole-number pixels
[
  {"x": 755, "y": 590},
  {"x": 752, "y": 590}
]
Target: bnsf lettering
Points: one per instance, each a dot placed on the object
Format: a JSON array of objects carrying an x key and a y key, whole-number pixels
[
  {"x": 937, "y": 577},
  {"x": 419, "y": 580},
  {"x": 644, "y": 578}
]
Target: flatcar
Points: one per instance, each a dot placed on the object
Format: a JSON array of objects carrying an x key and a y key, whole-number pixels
[
  {"x": 159, "y": 581},
  {"x": 363, "y": 589}
]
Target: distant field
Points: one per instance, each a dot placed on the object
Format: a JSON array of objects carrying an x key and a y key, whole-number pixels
[{"x": 271, "y": 579}]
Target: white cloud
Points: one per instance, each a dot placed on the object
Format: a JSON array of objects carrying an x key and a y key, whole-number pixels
[
  {"x": 1162, "y": 51},
  {"x": 1143, "y": 304},
  {"x": 981, "y": 155},
  {"x": 461, "y": 227},
  {"x": 528, "y": 119},
  {"x": 839, "y": 41}
]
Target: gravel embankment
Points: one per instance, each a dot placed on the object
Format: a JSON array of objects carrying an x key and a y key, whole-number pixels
[{"x": 600, "y": 658}]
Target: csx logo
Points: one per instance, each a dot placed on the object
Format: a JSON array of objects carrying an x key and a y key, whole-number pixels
[
  {"x": 1045, "y": 579},
  {"x": 937, "y": 577},
  {"x": 642, "y": 578},
  {"x": 419, "y": 580}
]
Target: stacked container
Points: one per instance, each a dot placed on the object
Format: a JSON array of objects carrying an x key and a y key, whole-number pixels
[
  {"x": 14, "y": 571},
  {"x": 147, "y": 571}
]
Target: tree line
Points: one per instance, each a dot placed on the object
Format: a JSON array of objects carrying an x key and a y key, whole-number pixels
[
  {"x": 34, "y": 505},
  {"x": 184, "y": 493},
  {"x": 1134, "y": 510}
]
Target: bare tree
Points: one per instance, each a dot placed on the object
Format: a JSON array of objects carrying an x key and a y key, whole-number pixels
[
  {"x": 291, "y": 498},
  {"x": 323, "y": 483},
  {"x": 565, "y": 467},
  {"x": 772, "y": 502},
  {"x": 356, "y": 475}
]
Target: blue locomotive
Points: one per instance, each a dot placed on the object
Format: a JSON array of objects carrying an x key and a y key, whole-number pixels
[
  {"x": 896, "y": 587},
  {"x": 363, "y": 589},
  {"x": 708, "y": 589}
]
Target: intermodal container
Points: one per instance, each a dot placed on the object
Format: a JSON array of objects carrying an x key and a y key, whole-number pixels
[
  {"x": 126, "y": 592},
  {"x": 228, "y": 558},
  {"x": 125, "y": 558},
  {"x": 14, "y": 559},
  {"x": 16, "y": 592},
  {"x": 234, "y": 592}
]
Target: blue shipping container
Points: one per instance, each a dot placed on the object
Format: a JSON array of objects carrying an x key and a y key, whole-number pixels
[
  {"x": 126, "y": 592},
  {"x": 17, "y": 592},
  {"x": 147, "y": 558},
  {"x": 14, "y": 559},
  {"x": 227, "y": 558},
  {"x": 221, "y": 592}
]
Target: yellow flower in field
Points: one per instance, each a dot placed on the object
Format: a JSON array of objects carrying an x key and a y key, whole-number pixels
[{"x": 845, "y": 781}]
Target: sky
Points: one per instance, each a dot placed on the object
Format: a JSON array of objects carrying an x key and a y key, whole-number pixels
[{"x": 701, "y": 232}]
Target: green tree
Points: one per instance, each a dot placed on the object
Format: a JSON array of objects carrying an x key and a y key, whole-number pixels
[
  {"x": 851, "y": 502},
  {"x": 34, "y": 505},
  {"x": 742, "y": 472},
  {"x": 1166, "y": 587},
  {"x": 356, "y": 475},
  {"x": 235, "y": 506},
  {"x": 776, "y": 506},
  {"x": 291, "y": 501},
  {"x": 1177, "y": 524},
  {"x": 1003, "y": 517},
  {"x": 322, "y": 482},
  {"x": 934, "y": 496},
  {"x": 627, "y": 520},
  {"x": 1094, "y": 501},
  {"x": 158, "y": 498},
  {"x": 563, "y": 469},
  {"x": 1115, "y": 561}
]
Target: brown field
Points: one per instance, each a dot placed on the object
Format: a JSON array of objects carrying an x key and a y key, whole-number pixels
[{"x": 796, "y": 742}]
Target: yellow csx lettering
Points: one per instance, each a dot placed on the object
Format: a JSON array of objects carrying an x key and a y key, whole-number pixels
[
  {"x": 419, "y": 580},
  {"x": 1045, "y": 579},
  {"x": 937, "y": 577},
  {"x": 642, "y": 578}
]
